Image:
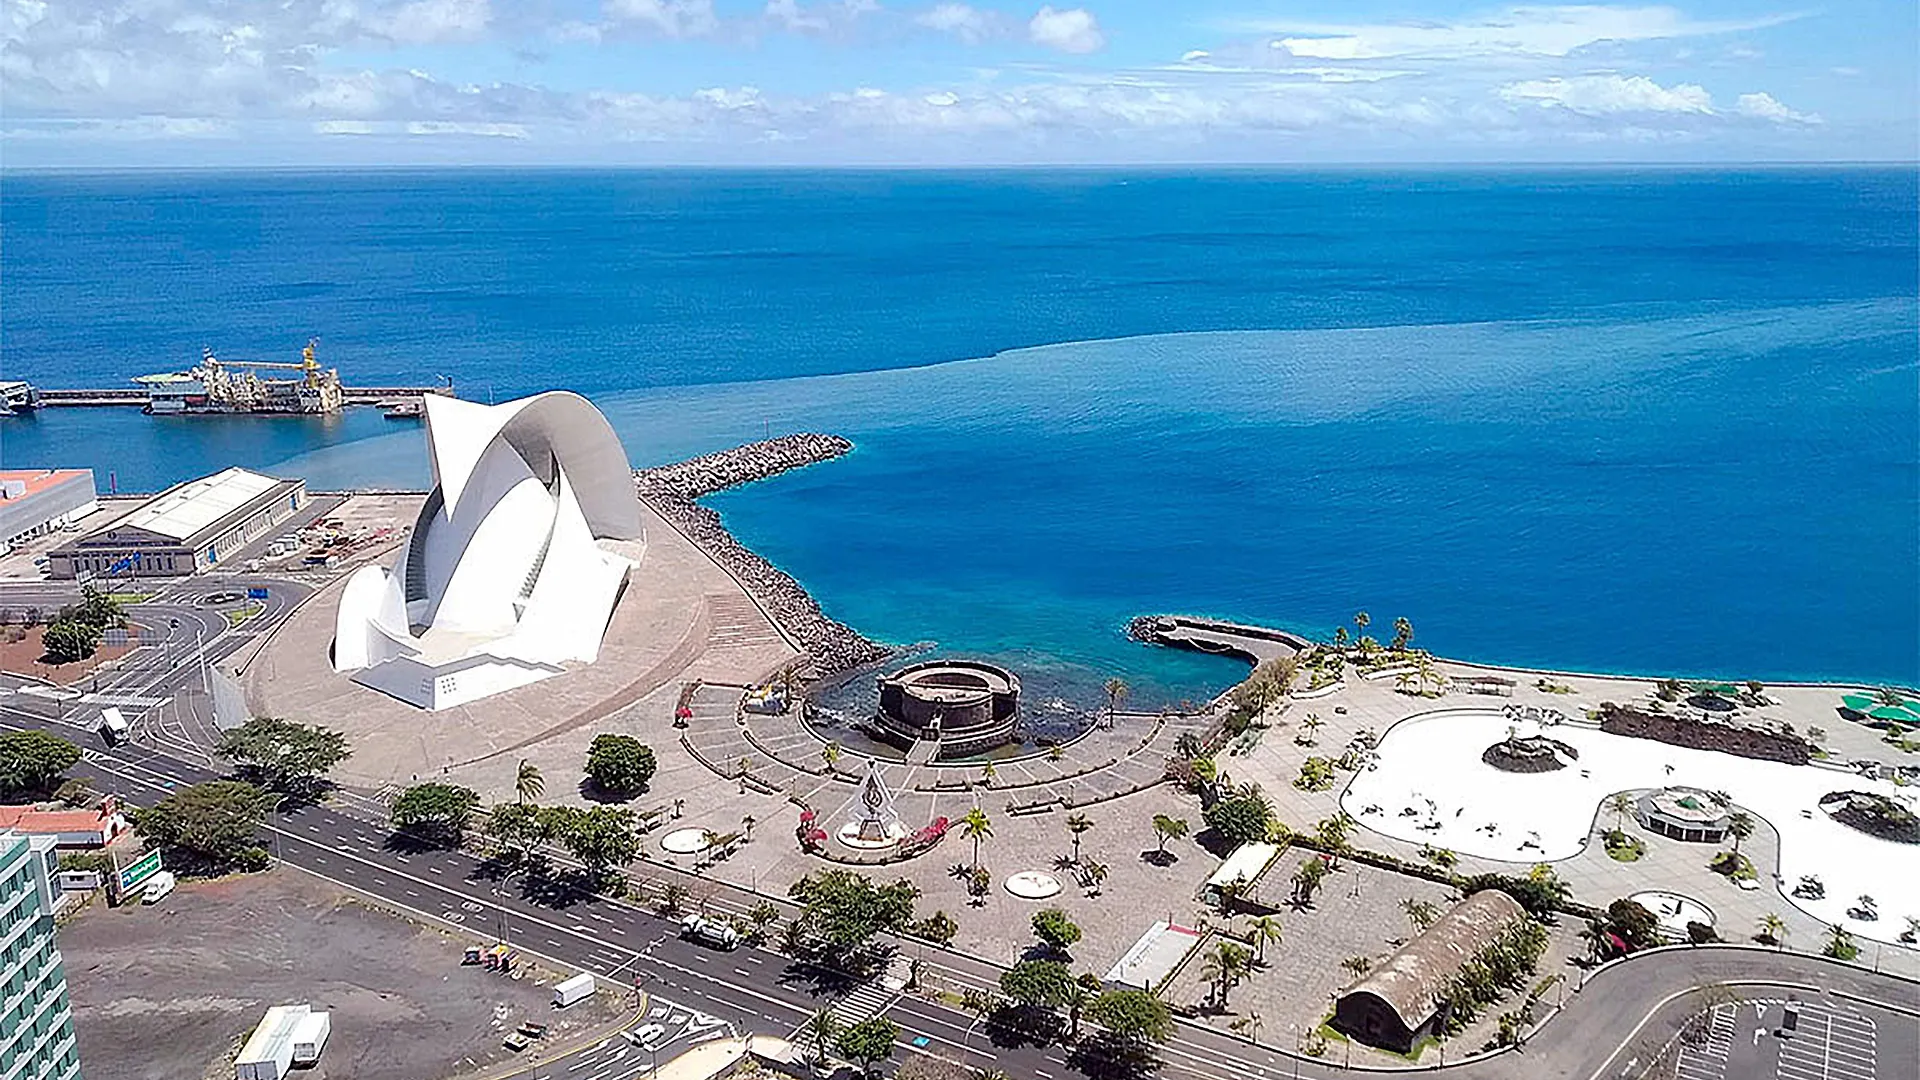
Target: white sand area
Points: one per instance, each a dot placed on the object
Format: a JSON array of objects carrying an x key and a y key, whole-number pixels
[{"x": 1431, "y": 762}]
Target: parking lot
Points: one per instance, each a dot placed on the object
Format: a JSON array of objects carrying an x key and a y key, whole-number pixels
[{"x": 1750, "y": 1040}]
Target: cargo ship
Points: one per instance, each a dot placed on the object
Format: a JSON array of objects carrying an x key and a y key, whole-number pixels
[{"x": 214, "y": 386}]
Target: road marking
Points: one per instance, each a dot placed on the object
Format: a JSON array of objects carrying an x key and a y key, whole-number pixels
[{"x": 433, "y": 870}]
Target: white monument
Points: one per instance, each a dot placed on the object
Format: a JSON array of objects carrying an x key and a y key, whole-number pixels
[
  {"x": 879, "y": 823},
  {"x": 516, "y": 561}
]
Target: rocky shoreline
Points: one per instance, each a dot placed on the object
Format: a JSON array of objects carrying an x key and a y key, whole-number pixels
[{"x": 831, "y": 646}]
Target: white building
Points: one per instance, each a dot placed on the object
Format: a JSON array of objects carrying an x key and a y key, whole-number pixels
[
  {"x": 36, "y": 1028},
  {"x": 34, "y": 502},
  {"x": 515, "y": 564}
]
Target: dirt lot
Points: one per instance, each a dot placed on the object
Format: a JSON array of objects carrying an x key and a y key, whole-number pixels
[
  {"x": 22, "y": 656},
  {"x": 169, "y": 992}
]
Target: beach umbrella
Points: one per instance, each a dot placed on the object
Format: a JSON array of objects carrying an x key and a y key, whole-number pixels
[
  {"x": 1857, "y": 702},
  {"x": 1908, "y": 714}
]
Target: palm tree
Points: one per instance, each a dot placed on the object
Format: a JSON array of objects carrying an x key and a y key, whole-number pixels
[
  {"x": 1249, "y": 1025},
  {"x": 1077, "y": 824},
  {"x": 1739, "y": 826},
  {"x": 1420, "y": 913},
  {"x": 1117, "y": 691},
  {"x": 1405, "y": 681},
  {"x": 1265, "y": 928},
  {"x": 1093, "y": 873},
  {"x": 1168, "y": 828},
  {"x": 821, "y": 1027},
  {"x": 1402, "y": 633},
  {"x": 1773, "y": 929},
  {"x": 1312, "y": 724},
  {"x": 747, "y": 822},
  {"x": 987, "y": 773},
  {"x": 830, "y": 753},
  {"x": 1361, "y": 620},
  {"x": 1357, "y": 965},
  {"x": 976, "y": 826},
  {"x": 1224, "y": 967},
  {"x": 527, "y": 782},
  {"x": 1621, "y": 805}
]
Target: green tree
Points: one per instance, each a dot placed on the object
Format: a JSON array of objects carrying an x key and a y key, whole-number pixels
[
  {"x": 67, "y": 641},
  {"x": 528, "y": 784},
  {"x": 1306, "y": 880},
  {"x": 1310, "y": 726},
  {"x": 1402, "y": 634},
  {"x": 282, "y": 755},
  {"x": 1168, "y": 828},
  {"x": 822, "y": 1029},
  {"x": 32, "y": 761},
  {"x": 1055, "y": 930},
  {"x": 1739, "y": 826},
  {"x": 1223, "y": 967},
  {"x": 435, "y": 811},
  {"x": 1117, "y": 691},
  {"x": 1773, "y": 929},
  {"x": 515, "y": 826},
  {"x": 97, "y": 609},
  {"x": 938, "y": 928},
  {"x": 976, "y": 826},
  {"x": 1420, "y": 913},
  {"x": 1132, "y": 1016},
  {"x": 1266, "y": 928},
  {"x": 1361, "y": 620},
  {"x": 1077, "y": 824},
  {"x": 1633, "y": 924},
  {"x": 620, "y": 765},
  {"x": 842, "y": 911},
  {"x": 868, "y": 1042},
  {"x": 1240, "y": 818},
  {"x": 1840, "y": 944},
  {"x": 1038, "y": 984},
  {"x": 209, "y": 826},
  {"x": 602, "y": 838},
  {"x": 1357, "y": 965}
]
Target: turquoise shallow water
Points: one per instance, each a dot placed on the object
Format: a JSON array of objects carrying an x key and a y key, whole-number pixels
[{"x": 1659, "y": 422}]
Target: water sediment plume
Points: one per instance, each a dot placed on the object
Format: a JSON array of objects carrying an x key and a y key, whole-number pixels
[{"x": 831, "y": 646}]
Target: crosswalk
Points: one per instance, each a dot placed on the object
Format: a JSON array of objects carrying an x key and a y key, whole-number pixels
[
  {"x": 867, "y": 999},
  {"x": 1704, "y": 1057}
]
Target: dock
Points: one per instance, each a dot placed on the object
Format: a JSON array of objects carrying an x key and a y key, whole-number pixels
[
  {"x": 1254, "y": 644},
  {"x": 136, "y": 397}
]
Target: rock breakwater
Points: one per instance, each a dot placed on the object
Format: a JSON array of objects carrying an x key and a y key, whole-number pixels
[{"x": 831, "y": 646}]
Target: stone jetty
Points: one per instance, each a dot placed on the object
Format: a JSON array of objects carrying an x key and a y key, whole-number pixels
[{"x": 832, "y": 646}]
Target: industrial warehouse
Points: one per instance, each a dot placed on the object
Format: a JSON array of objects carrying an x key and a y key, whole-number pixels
[{"x": 185, "y": 529}]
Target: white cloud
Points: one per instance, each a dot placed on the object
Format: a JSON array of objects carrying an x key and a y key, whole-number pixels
[
  {"x": 1763, "y": 106},
  {"x": 470, "y": 130},
  {"x": 426, "y": 21},
  {"x": 1192, "y": 55},
  {"x": 1532, "y": 31},
  {"x": 963, "y": 21},
  {"x": 1603, "y": 95},
  {"x": 1074, "y": 30},
  {"x": 345, "y": 127},
  {"x": 668, "y": 18}
]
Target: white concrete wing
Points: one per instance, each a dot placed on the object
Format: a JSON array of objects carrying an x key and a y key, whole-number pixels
[{"x": 505, "y": 579}]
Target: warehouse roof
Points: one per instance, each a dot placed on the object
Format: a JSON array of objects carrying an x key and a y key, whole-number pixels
[
  {"x": 181, "y": 511},
  {"x": 1411, "y": 979}
]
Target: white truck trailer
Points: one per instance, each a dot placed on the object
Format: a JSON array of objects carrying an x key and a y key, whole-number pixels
[
  {"x": 579, "y": 988},
  {"x": 290, "y": 1034}
]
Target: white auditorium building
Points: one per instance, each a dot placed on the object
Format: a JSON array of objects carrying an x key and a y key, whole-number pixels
[{"x": 518, "y": 557}]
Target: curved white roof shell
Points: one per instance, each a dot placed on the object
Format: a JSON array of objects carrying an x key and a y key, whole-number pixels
[{"x": 504, "y": 579}]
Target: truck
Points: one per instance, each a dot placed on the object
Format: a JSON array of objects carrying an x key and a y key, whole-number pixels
[
  {"x": 718, "y": 933},
  {"x": 113, "y": 726},
  {"x": 572, "y": 991}
]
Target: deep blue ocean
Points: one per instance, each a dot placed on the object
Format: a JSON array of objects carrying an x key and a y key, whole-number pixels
[{"x": 1647, "y": 421}]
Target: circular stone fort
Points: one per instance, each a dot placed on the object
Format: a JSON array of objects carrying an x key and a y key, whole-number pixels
[{"x": 962, "y": 707}]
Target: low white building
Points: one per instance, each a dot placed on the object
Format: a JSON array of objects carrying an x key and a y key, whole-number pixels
[
  {"x": 34, "y": 502},
  {"x": 516, "y": 561}
]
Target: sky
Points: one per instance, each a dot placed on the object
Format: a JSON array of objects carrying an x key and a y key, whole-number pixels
[{"x": 172, "y": 83}]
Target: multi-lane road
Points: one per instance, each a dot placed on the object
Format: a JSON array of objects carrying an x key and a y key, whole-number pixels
[{"x": 1606, "y": 1030}]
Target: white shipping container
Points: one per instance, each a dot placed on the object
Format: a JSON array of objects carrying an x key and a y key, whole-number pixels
[
  {"x": 578, "y": 988},
  {"x": 310, "y": 1037}
]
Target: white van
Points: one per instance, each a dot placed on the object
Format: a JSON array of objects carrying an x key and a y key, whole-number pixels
[
  {"x": 113, "y": 726},
  {"x": 158, "y": 886}
]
